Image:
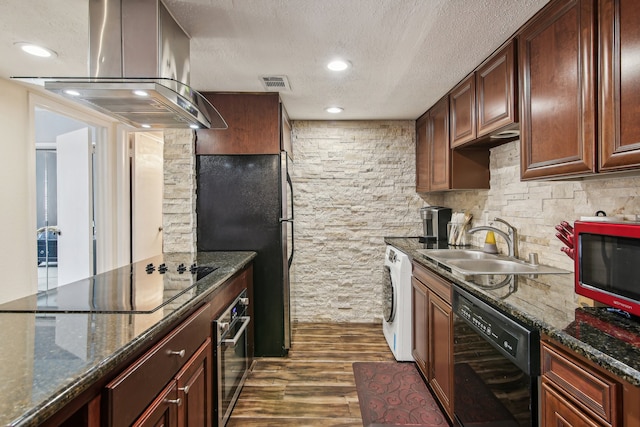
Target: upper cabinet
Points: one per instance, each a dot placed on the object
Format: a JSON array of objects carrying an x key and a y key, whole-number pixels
[
  {"x": 440, "y": 168},
  {"x": 423, "y": 160},
  {"x": 497, "y": 93},
  {"x": 256, "y": 125},
  {"x": 619, "y": 100},
  {"x": 485, "y": 103},
  {"x": 557, "y": 91},
  {"x": 463, "y": 112},
  {"x": 580, "y": 89}
]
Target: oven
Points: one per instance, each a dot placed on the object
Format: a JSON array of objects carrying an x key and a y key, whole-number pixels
[
  {"x": 232, "y": 362},
  {"x": 496, "y": 366}
]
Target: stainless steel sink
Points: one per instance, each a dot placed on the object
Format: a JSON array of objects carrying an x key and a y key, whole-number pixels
[
  {"x": 446, "y": 254},
  {"x": 469, "y": 262}
]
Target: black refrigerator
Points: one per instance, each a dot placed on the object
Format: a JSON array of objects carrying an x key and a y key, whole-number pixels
[{"x": 245, "y": 202}]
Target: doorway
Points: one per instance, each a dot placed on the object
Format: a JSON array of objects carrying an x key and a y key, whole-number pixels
[{"x": 65, "y": 229}]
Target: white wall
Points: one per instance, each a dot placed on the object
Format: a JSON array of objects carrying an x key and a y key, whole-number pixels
[
  {"x": 17, "y": 184},
  {"x": 17, "y": 187}
]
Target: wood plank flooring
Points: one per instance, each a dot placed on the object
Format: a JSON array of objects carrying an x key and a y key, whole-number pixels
[{"x": 313, "y": 386}]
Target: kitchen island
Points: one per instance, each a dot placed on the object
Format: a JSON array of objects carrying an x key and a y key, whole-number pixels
[
  {"x": 54, "y": 360},
  {"x": 549, "y": 304}
]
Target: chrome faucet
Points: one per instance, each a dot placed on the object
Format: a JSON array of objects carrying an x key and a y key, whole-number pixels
[{"x": 510, "y": 238}]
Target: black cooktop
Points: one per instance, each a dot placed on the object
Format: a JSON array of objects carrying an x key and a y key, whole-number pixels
[{"x": 141, "y": 287}]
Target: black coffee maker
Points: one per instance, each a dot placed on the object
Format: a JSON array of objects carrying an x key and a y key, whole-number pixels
[{"x": 434, "y": 222}]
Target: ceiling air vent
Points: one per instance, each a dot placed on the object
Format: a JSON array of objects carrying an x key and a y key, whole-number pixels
[{"x": 275, "y": 83}]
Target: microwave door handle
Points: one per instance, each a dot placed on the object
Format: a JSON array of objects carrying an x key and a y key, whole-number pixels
[{"x": 234, "y": 341}]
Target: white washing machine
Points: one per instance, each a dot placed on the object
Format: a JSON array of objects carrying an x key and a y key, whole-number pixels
[{"x": 396, "y": 303}]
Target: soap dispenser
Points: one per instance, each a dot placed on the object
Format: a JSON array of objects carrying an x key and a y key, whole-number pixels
[{"x": 490, "y": 243}]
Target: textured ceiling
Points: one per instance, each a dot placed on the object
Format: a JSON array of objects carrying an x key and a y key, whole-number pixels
[{"x": 406, "y": 54}]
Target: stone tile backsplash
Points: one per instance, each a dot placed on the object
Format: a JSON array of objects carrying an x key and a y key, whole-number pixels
[
  {"x": 534, "y": 208},
  {"x": 354, "y": 183}
]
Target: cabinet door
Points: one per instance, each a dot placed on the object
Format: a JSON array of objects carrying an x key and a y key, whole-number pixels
[
  {"x": 557, "y": 91},
  {"x": 557, "y": 411},
  {"x": 619, "y": 102},
  {"x": 462, "y": 102},
  {"x": 419, "y": 325},
  {"x": 194, "y": 389},
  {"x": 496, "y": 91},
  {"x": 438, "y": 138},
  {"x": 254, "y": 124},
  {"x": 422, "y": 156},
  {"x": 440, "y": 362},
  {"x": 163, "y": 411}
]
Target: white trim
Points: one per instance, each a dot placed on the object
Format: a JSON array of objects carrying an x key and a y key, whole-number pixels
[{"x": 112, "y": 184}]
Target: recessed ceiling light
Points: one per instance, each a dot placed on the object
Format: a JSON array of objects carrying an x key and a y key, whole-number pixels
[
  {"x": 146, "y": 126},
  {"x": 334, "y": 110},
  {"x": 194, "y": 126},
  {"x": 338, "y": 65},
  {"x": 72, "y": 92},
  {"x": 36, "y": 50},
  {"x": 140, "y": 93}
]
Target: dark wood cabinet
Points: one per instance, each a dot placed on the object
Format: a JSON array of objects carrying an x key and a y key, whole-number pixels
[
  {"x": 432, "y": 325},
  {"x": 438, "y": 140},
  {"x": 419, "y": 304},
  {"x": 423, "y": 158},
  {"x": 576, "y": 392},
  {"x": 484, "y": 104},
  {"x": 131, "y": 392},
  {"x": 557, "y": 91},
  {"x": 579, "y": 89},
  {"x": 440, "y": 332},
  {"x": 497, "y": 92},
  {"x": 462, "y": 100},
  {"x": 619, "y": 96},
  {"x": 163, "y": 411},
  {"x": 255, "y": 121},
  {"x": 438, "y": 168},
  {"x": 557, "y": 410},
  {"x": 194, "y": 383}
]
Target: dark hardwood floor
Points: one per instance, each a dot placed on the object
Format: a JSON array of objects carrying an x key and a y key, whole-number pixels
[{"x": 313, "y": 385}]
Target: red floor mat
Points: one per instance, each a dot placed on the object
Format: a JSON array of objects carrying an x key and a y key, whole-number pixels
[{"x": 394, "y": 394}]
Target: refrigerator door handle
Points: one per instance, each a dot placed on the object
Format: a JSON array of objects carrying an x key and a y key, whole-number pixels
[{"x": 293, "y": 244}]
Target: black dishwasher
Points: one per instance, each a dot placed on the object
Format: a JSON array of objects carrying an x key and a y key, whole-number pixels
[{"x": 496, "y": 366}]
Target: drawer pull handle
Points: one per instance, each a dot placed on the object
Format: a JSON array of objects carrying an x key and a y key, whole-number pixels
[
  {"x": 184, "y": 389},
  {"x": 180, "y": 353},
  {"x": 177, "y": 401}
]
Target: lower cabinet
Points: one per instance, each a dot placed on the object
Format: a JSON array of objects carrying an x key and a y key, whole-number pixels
[
  {"x": 432, "y": 325},
  {"x": 575, "y": 394},
  {"x": 171, "y": 381}
]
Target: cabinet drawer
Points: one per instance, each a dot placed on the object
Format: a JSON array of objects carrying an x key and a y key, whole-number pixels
[
  {"x": 133, "y": 390},
  {"x": 588, "y": 388},
  {"x": 435, "y": 283}
]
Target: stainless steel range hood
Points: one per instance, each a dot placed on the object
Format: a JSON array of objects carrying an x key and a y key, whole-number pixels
[{"x": 139, "y": 66}]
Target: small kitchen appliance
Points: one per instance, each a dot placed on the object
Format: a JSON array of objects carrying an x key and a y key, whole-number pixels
[
  {"x": 434, "y": 222},
  {"x": 606, "y": 262}
]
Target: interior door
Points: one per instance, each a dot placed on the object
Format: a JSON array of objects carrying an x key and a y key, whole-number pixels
[
  {"x": 147, "y": 188},
  {"x": 75, "y": 205}
]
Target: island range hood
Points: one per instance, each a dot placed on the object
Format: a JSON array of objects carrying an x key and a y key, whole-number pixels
[{"x": 139, "y": 69}]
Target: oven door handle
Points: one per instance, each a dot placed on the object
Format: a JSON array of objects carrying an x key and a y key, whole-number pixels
[{"x": 233, "y": 341}]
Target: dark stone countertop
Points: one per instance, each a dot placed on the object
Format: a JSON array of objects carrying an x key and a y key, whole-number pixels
[
  {"x": 50, "y": 358},
  {"x": 550, "y": 304}
]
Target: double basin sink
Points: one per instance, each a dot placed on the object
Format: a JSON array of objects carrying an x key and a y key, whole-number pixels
[{"x": 470, "y": 262}]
